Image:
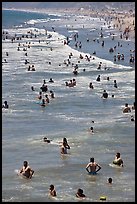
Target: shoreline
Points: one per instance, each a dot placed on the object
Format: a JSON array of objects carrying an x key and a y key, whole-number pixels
[
  {"x": 71, "y": 114},
  {"x": 122, "y": 21}
]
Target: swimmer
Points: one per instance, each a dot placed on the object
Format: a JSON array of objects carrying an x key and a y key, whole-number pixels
[
  {"x": 66, "y": 83},
  {"x": 94, "y": 167},
  {"x": 133, "y": 106},
  {"x": 26, "y": 170},
  {"x": 126, "y": 109},
  {"x": 98, "y": 78},
  {"x": 132, "y": 118},
  {"x": 47, "y": 98},
  {"x": 80, "y": 193},
  {"x": 32, "y": 88},
  {"x": 105, "y": 94},
  {"x": 109, "y": 180},
  {"x": 64, "y": 146},
  {"x": 45, "y": 139},
  {"x": 5, "y": 105},
  {"x": 91, "y": 129},
  {"x": 52, "y": 190},
  {"x": 43, "y": 103},
  {"x": 74, "y": 82},
  {"x": 51, "y": 80},
  {"x": 115, "y": 84},
  {"x": 118, "y": 161},
  {"x": 91, "y": 85},
  {"x": 40, "y": 95},
  {"x": 52, "y": 94}
]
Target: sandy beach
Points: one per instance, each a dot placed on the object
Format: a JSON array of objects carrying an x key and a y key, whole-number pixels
[
  {"x": 121, "y": 20},
  {"x": 124, "y": 21}
]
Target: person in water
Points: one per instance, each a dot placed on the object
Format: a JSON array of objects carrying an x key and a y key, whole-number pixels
[
  {"x": 45, "y": 139},
  {"x": 98, "y": 78},
  {"x": 5, "y": 105},
  {"x": 52, "y": 190},
  {"x": 118, "y": 161},
  {"x": 64, "y": 146},
  {"x": 133, "y": 106},
  {"x": 92, "y": 129},
  {"x": 127, "y": 109},
  {"x": 93, "y": 166},
  {"x": 26, "y": 170},
  {"x": 32, "y": 88},
  {"x": 52, "y": 94},
  {"x": 91, "y": 85},
  {"x": 109, "y": 181},
  {"x": 80, "y": 193},
  {"x": 132, "y": 118},
  {"x": 43, "y": 103},
  {"x": 51, "y": 80},
  {"x": 105, "y": 94}
]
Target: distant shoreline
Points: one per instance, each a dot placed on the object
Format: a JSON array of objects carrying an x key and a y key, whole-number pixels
[{"x": 122, "y": 20}]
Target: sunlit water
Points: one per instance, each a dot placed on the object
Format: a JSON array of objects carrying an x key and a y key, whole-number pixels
[{"x": 69, "y": 114}]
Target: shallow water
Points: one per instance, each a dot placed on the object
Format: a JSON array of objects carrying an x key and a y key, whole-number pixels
[{"x": 69, "y": 114}]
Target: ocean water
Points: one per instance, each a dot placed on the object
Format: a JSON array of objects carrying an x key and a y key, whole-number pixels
[{"x": 70, "y": 113}]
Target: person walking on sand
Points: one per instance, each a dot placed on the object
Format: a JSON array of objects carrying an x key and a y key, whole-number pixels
[
  {"x": 93, "y": 166},
  {"x": 26, "y": 170}
]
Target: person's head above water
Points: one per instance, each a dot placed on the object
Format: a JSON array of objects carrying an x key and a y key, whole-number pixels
[
  {"x": 118, "y": 154},
  {"x": 110, "y": 180},
  {"x": 64, "y": 139},
  {"x": 25, "y": 163},
  {"x": 92, "y": 159},
  {"x": 5, "y": 102}
]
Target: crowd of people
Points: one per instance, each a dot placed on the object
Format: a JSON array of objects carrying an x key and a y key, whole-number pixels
[
  {"x": 92, "y": 168},
  {"x": 45, "y": 95}
]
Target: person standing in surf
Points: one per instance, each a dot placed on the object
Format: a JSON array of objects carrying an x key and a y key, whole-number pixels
[
  {"x": 93, "y": 166},
  {"x": 118, "y": 161},
  {"x": 26, "y": 170},
  {"x": 80, "y": 193},
  {"x": 52, "y": 190},
  {"x": 64, "y": 146},
  {"x": 5, "y": 105}
]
